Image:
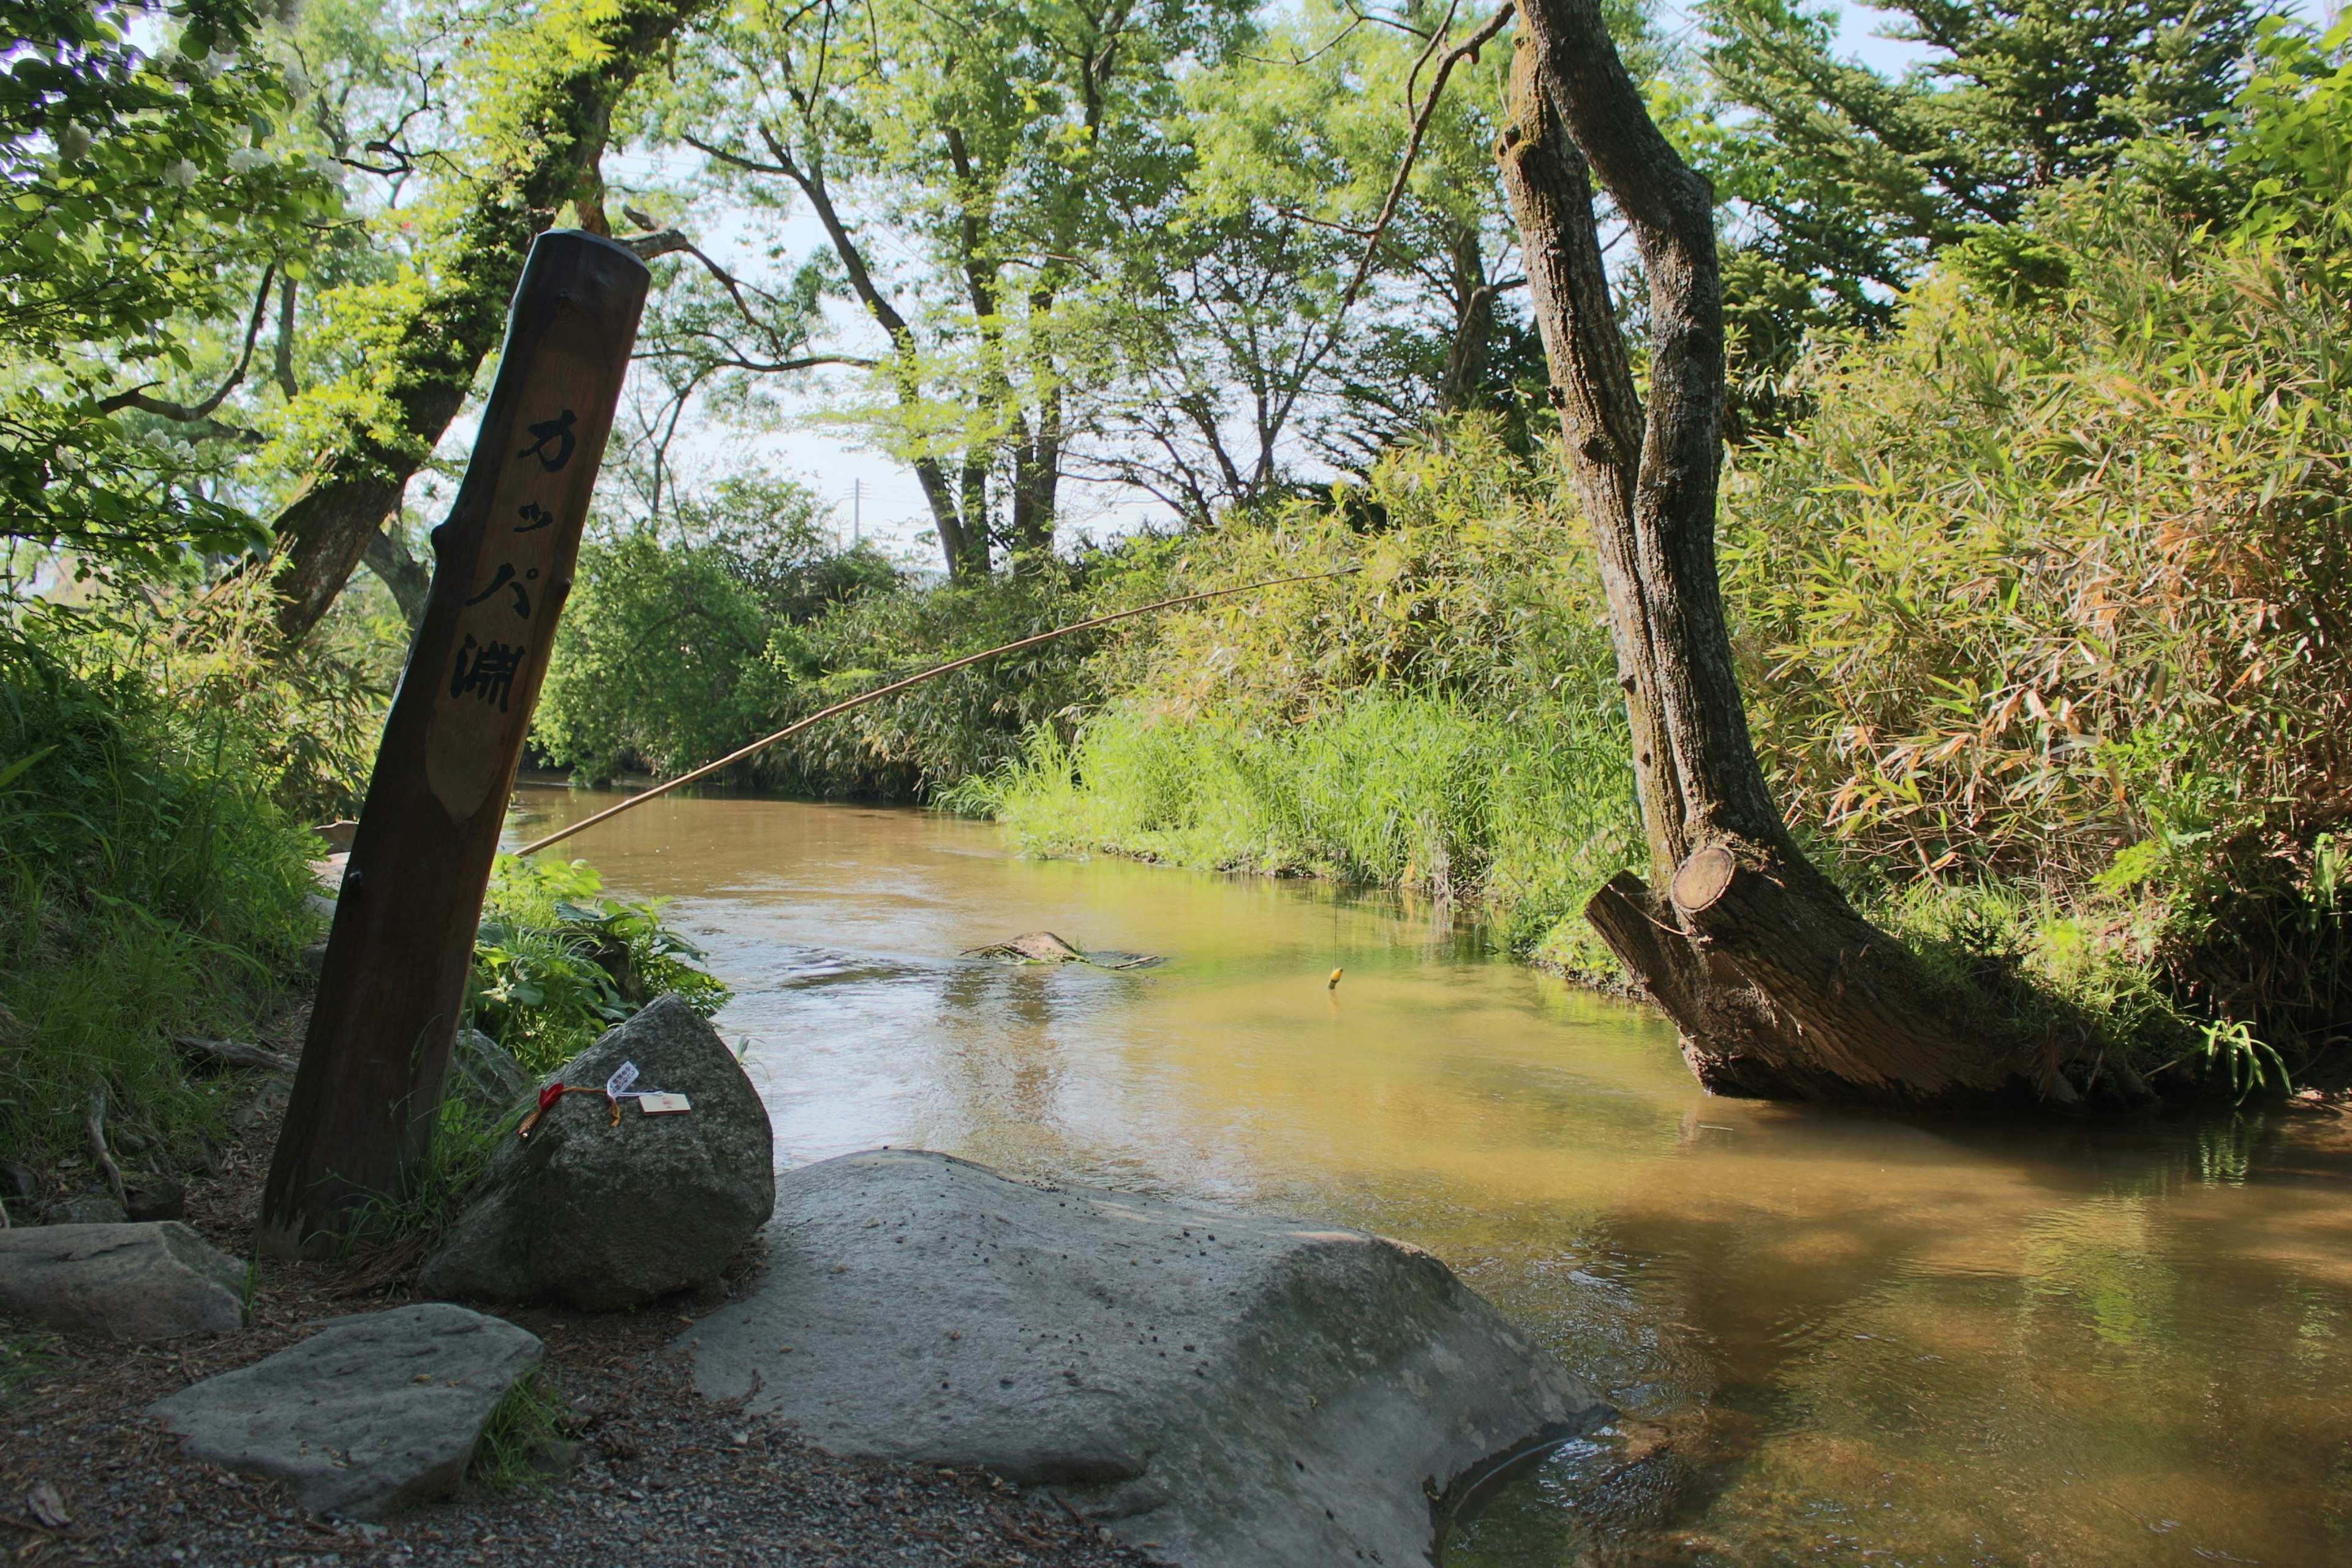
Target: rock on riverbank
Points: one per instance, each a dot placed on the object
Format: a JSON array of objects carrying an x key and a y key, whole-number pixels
[
  {"x": 1223, "y": 1392},
  {"x": 150, "y": 1282},
  {"x": 370, "y": 1414},
  {"x": 607, "y": 1214}
]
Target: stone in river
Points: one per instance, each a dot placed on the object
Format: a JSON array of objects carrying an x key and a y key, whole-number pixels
[
  {"x": 370, "y": 1414},
  {"x": 606, "y": 1214},
  {"x": 132, "y": 1282},
  {"x": 1218, "y": 1391}
]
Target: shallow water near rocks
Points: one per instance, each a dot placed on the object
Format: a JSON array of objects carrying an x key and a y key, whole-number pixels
[{"x": 1837, "y": 1339}]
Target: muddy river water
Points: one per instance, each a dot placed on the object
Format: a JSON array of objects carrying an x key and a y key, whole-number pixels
[{"x": 1837, "y": 1339}]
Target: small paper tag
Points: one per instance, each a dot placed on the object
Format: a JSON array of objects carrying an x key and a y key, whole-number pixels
[
  {"x": 654, "y": 1103},
  {"x": 623, "y": 1077}
]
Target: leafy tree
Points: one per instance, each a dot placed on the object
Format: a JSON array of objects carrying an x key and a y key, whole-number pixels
[
  {"x": 971, "y": 168},
  {"x": 1253, "y": 326},
  {"x": 533, "y": 101},
  {"x": 1846, "y": 181},
  {"x": 142, "y": 193},
  {"x": 676, "y": 643}
]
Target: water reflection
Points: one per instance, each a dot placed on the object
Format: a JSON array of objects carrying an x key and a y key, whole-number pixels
[{"x": 1837, "y": 1338}]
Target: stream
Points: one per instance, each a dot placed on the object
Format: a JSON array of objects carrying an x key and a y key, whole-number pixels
[{"x": 1836, "y": 1338}]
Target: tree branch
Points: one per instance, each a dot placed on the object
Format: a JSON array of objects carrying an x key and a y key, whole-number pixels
[
  {"x": 1468, "y": 50},
  {"x": 187, "y": 414}
]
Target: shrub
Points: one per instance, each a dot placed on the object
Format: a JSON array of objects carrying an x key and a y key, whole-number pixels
[
  {"x": 679, "y": 644},
  {"x": 2053, "y": 586},
  {"x": 152, "y": 888},
  {"x": 556, "y": 965}
]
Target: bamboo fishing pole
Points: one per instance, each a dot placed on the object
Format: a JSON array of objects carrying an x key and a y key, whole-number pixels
[{"x": 875, "y": 695}]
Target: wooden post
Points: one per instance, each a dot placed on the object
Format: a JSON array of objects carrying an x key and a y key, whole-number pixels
[{"x": 368, "y": 1086}]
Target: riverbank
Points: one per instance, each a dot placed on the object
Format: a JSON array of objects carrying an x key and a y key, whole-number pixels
[{"x": 649, "y": 1472}]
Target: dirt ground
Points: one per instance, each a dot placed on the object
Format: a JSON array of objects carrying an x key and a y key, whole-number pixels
[{"x": 654, "y": 1474}]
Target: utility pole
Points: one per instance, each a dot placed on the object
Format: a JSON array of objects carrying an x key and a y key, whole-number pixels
[
  {"x": 368, "y": 1092},
  {"x": 856, "y": 522}
]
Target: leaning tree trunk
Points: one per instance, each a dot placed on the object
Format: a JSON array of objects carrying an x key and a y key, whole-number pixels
[
  {"x": 546, "y": 119},
  {"x": 1780, "y": 990}
]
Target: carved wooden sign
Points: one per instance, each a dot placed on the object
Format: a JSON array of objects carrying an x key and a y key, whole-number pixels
[
  {"x": 490, "y": 681},
  {"x": 368, "y": 1088}
]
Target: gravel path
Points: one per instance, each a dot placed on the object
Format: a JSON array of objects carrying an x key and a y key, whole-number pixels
[{"x": 657, "y": 1473}]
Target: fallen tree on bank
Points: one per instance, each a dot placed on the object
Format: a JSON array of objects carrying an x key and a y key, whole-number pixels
[{"x": 1780, "y": 989}]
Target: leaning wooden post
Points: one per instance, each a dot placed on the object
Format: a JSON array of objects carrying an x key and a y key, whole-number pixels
[{"x": 369, "y": 1086}]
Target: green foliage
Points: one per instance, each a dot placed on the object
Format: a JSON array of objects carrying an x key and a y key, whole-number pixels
[
  {"x": 908, "y": 747},
  {"x": 2052, "y": 585},
  {"x": 679, "y": 646},
  {"x": 153, "y": 887},
  {"x": 2293, "y": 146},
  {"x": 527, "y": 1425},
  {"x": 1445, "y": 722},
  {"x": 2240, "y": 1063},
  {"x": 556, "y": 965},
  {"x": 310, "y": 711},
  {"x": 1845, "y": 183},
  {"x": 142, "y": 190},
  {"x": 661, "y": 662}
]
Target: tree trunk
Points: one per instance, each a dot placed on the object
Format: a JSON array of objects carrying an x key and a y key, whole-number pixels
[
  {"x": 1466, "y": 360},
  {"x": 1780, "y": 988},
  {"x": 562, "y": 110},
  {"x": 409, "y": 579}
]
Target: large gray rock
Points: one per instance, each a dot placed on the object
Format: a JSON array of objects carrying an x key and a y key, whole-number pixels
[
  {"x": 371, "y": 1414},
  {"x": 1221, "y": 1392},
  {"x": 132, "y": 1281},
  {"x": 607, "y": 1216}
]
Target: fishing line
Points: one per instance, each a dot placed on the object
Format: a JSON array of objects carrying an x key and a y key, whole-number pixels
[{"x": 879, "y": 692}]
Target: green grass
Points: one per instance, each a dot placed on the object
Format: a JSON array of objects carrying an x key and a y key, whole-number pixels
[
  {"x": 23, "y": 1359},
  {"x": 1522, "y": 816},
  {"x": 391, "y": 1231},
  {"x": 528, "y": 1422},
  {"x": 150, "y": 886}
]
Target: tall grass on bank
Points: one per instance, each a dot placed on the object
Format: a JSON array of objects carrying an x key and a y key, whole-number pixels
[
  {"x": 152, "y": 887},
  {"x": 1443, "y": 721},
  {"x": 1395, "y": 789}
]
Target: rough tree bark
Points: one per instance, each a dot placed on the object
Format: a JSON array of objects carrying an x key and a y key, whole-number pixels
[
  {"x": 1780, "y": 988},
  {"x": 561, "y": 112}
]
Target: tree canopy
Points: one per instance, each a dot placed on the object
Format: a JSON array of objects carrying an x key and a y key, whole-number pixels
[{"x": 1046, "y": 254}]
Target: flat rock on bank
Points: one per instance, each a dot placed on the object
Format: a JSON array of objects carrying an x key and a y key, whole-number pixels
[
  {"x": 369, "y": 1415},
  {"x": 607, "y": 1214},
  {"x": 151, "y": 1282},
  {"x": 1219, "y": 1391}
]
